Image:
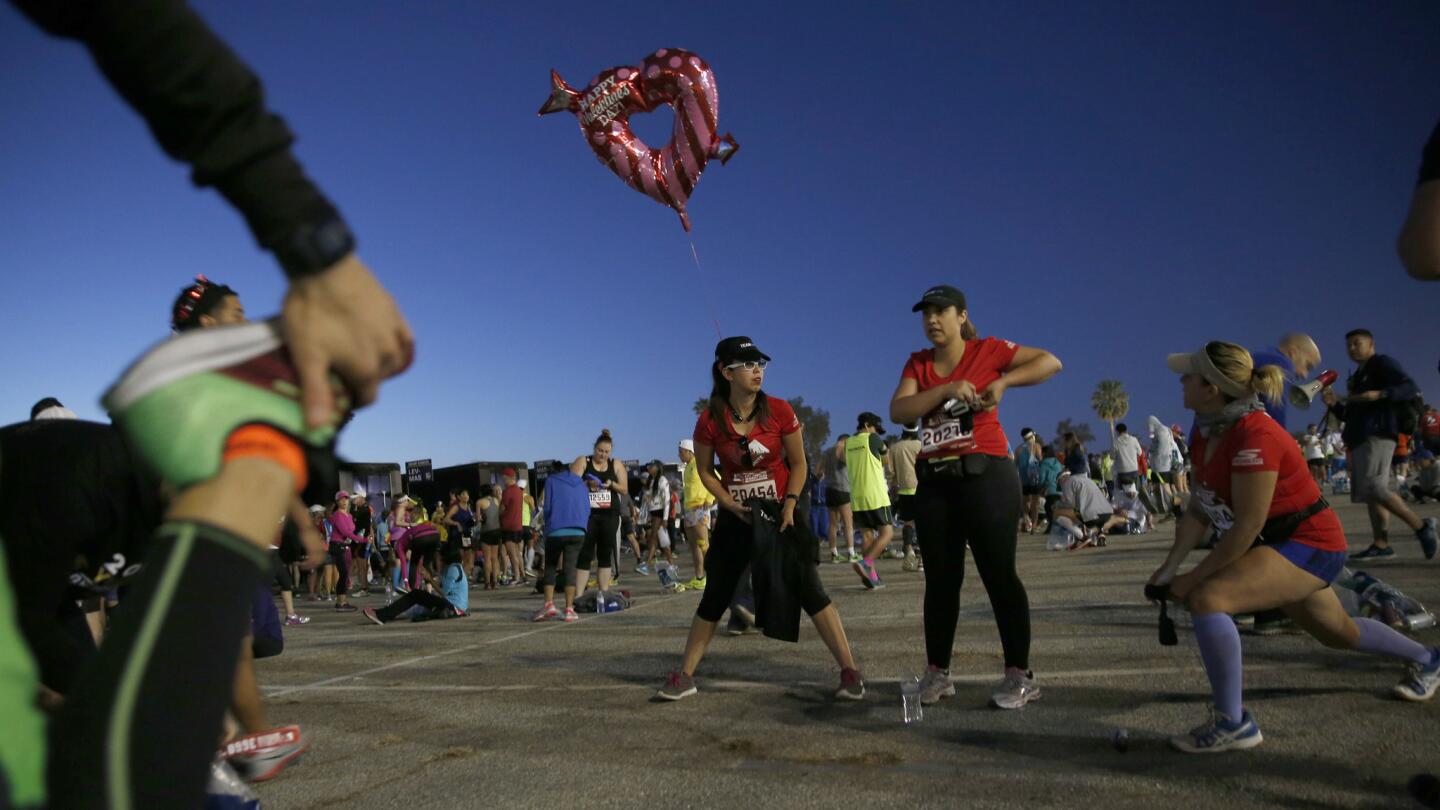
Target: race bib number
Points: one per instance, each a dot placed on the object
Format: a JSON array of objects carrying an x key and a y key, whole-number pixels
[
  {"x": 945, "y": 434},
  {"x": 745, "y": 486},
  {"x": 600, "y": 499},
  {"x": 1217, "y": 511}
]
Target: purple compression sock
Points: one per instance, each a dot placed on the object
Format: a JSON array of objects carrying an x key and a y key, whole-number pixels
[
  {"x": 1220, "y": 648},
  {"x": 1378, "y": 639}
]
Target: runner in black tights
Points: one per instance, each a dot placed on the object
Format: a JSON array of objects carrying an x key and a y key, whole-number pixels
[{"x": 969, "y": 490}]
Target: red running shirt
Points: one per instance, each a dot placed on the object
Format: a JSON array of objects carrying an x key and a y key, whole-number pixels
[
  {"x": 751, "y": 466},
  {"x": 985, "y": 359},
  {"x": 1257, "y": 443},
  {"x": 512, "y": 509}
]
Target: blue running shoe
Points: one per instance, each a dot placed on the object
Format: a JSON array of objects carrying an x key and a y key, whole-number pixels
[
  {"x": 1219, "y": 734},
  {"x": 1421, "y": 682},
  {"x": 1426, "y": 536}
]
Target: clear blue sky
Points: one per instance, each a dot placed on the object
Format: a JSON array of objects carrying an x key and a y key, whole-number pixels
[{"x": 1108, "y": 184}]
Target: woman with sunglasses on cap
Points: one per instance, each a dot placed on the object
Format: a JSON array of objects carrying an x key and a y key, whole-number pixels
[
  {"x": 1280, "y": 543},
  {"x": 342, "y": 536},
  {"x": 762, "y": 457},
  {"x": 969, "y": 488}
]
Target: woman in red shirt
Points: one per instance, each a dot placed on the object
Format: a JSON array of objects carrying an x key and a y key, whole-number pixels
[
  {"x": 1280, "y": 543},
  {"x": 969, "y": 489},
  {"x": 757, "y": 439}
]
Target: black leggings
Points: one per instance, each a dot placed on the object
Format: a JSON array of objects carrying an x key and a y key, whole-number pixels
[
  {"x": 601, "y": 538},
  {"x": 337, "y": 559},
  {"x": 556, "y": 550},
  {"x": 424, "y": 599},
  {"x": 422, "y": 552},
  {"x": 982, "y": 510},
  {"x": 281, "y": 572},
  {"x": 732, "y": 545},
  {"x": 164, "y": 665}
]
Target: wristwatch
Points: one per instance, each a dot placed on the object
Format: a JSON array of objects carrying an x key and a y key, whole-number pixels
[{"x": 311, "y": 249}]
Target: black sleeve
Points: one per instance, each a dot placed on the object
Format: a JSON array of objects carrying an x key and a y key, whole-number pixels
[
  {"x": 205, "y": 108},
  {"x": 877, "y": 445},
  {"x": 1430, "y": 159}
]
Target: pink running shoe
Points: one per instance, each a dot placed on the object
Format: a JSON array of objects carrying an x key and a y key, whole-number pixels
[
  {"x": 570, "y": 615},
  {"x": 295, "y": 620},
  {"x": 547, "y": 612}
]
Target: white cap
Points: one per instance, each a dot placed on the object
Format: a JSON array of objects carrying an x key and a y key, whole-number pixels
[
  {"x": 687, "y": 444},
  {"x": 521, "y": 483},
  {"x": 56, "y": 412},
  {"x": 316, "y": 508}
]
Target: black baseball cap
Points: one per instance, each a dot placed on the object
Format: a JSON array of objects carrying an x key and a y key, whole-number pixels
[
  {"x": 941, "y": 295},
  {"x": 868, "y": 419},
  {"x": 738, "y": 348}
]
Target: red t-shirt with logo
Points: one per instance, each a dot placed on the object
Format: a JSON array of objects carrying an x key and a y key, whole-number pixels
[
  {"x": 751, "y": 466},
  {"x": 1257, "y": 443},
  {"x": 941, "y": 436},
  {"x": 512, "y": 509}
]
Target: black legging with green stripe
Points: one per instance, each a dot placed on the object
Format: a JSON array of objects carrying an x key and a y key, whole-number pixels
[{"x": 144, "y": 718}]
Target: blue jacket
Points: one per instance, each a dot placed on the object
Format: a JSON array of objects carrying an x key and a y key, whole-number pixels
[
  {"x": 567, "y": 502},
  {"x": 1050, "y": 470}
]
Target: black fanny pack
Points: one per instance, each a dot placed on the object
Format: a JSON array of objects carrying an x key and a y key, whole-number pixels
[
  {"x": 1279, "y": 528},
  {"x": 967, "y": 466}
]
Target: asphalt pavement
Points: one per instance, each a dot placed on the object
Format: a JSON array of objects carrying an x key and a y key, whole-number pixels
[{"x": 493, "y": 710}]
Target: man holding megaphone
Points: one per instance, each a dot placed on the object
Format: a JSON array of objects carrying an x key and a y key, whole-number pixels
[
  {"x": 1296, "y": 355},
  {"x": 1302, "y": 394}
]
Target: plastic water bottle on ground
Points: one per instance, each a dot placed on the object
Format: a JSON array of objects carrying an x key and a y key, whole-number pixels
[
  {"x": 599, "y": 601},
  {"x": 910, "y": 709},
  {"x": 389, "y": 593}
]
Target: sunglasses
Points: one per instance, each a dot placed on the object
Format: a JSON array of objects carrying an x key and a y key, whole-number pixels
[{"x": 749, "y": 365}]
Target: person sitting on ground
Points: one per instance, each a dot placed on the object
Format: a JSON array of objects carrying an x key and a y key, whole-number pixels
[
  {"x": 1131, "y": 510},
  {"x": 1083, "y": 503},
  {"x": 1427, "y": 480},
  {"x": 455, "y": 602},
  {"x": 1281, "y": 545}
]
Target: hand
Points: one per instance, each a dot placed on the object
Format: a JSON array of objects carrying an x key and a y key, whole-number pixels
[
  {"x": 310, "y": 536},
  {"x": 343, "y": 320},
  {"x": 964, "y": 391},
  {"x": 990, "y": 397},
  {"x": 1181, "y": 586},
  {"x": 1328, "y": 395},
  {"x": 737, "y": 508},
  {"x": 787, "y": 514},
  {"x": 1160, "y": 577}
]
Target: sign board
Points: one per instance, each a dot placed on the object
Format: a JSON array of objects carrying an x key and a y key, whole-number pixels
[{"x": 417, "y": 471}]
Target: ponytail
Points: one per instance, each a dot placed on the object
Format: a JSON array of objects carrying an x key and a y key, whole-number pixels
[
  {"x": 1269, "y": 383},
  {"x": 967, "y": 329}
]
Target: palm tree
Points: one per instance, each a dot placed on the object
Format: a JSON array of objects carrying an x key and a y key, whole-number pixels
[
  {"x": 1111, "y": 402},
  {"x": 1081, "y": 430},
  {"x": 701, "y": 404}
]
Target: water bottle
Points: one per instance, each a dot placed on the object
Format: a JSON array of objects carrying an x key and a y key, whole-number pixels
[
  {"x": 599, "y": 601},
  {"x": 910, "y": 709},
  {"x": 389, "y": 592},
  {"x": 1419, "y": 621}
]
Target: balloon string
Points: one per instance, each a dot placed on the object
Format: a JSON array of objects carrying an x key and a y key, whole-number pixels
[{"x": 706, "y": 291}]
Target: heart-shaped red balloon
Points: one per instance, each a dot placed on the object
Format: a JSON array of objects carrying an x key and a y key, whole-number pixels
[{"x": 669, "y": 76}]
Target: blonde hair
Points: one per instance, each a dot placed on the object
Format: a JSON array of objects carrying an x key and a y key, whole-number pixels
[{"x": 1236, "y": 363}]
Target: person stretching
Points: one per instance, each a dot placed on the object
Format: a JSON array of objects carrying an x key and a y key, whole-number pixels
[{"x": 565, "y": 516}]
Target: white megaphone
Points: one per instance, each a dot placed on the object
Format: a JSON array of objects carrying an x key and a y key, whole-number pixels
[{"x": 1302, "y": 394}]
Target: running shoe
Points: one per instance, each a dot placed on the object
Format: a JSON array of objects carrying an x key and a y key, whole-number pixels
[
  {"x": 180, "y": 402},
  {"x": 1219, "y": 733},
  {"x": 935, "y": 685},
  {"x": 911, "y": 564},
  {"x": 1274, "y": 626},
  {"x": 1426, "y": 536},
  {"x": 642, "y": 569},
  {"x": 852, "y": 686},
  {"x": 738, "y": 627},
  {"x": 695, "y": 584},
  {"x": 854, "y": 556},
  {"x": 296, "y": 620},
  {"x": 370, "y": 614},
  {"x": 1091, "y": 539},
  {"x": 570, "y": 615},
  {"x": 1374, "y": 553},
  {"x": 361, "y": 593},
  {"x": 346, "y": 608},
  {"x": 677, "y": 686},
  {"x": 1016, "y": 690},
  {"x": 868, "y": 574},
  {"x": 402, "y": 589},
  {"x": 836, "y": 558},
  {"x": 592, "y": 582},
  {"x": 262, "y": 756},
  {"x": 1420, "y": 682}
]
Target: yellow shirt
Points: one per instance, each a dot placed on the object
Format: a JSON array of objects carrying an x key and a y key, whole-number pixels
[{"x": 696, "y": 495}]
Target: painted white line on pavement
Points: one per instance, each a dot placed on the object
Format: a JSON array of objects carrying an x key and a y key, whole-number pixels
[
  {"x": 467, "y": 648},
  {"x": 1046, "y": 678}
]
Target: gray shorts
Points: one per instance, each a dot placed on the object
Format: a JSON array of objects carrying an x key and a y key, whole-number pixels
[{"x": 1370, "y": 469}]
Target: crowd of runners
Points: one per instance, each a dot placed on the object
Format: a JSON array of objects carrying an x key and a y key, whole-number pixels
[{"x": 220, "y": 460}]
